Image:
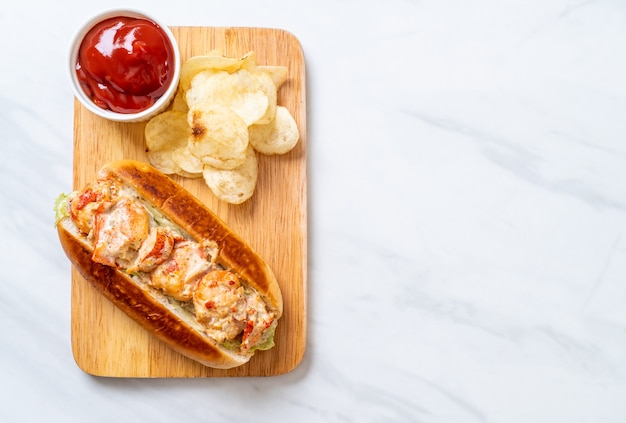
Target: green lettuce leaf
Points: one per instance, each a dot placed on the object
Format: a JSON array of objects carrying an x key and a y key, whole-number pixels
[
  {"x": 268, "y": 339},
  {"x": 60, "y": 207}
]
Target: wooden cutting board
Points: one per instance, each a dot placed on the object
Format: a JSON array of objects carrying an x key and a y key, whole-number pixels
[{"x": 105, "y": 342}]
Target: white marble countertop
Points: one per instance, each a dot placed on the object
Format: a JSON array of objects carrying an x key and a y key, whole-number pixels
[{"x": 467, "y": 222}]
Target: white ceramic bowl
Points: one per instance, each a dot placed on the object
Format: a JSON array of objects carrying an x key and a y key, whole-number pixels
[{"x": 159, "y": 106}]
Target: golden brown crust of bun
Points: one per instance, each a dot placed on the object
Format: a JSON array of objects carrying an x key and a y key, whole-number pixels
[{"x": 201, "y": 223}]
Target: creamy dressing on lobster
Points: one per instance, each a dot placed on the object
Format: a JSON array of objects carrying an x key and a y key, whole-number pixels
[{"x": 133, "y": 236}]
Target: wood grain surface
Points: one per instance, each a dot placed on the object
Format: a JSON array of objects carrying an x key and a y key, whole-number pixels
[{"x": 105, "y": 342}]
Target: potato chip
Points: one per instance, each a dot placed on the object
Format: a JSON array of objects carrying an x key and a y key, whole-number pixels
[
  {"x": 163, "y": 161},
  {"x": 278, "y": 74},
  {"x": 268, "y": 87},
  {"x": 278, "y": 137},
  {"x": 219, "y": 137},
  {"x": 197, "y": 64},
  {"x": 179, "y": 104},
  {"x": 167, "y": 131},
  {"x": 251, "y": 95},
  {"x": 248, "y": 61},
  {"x": 224, "y": 112},
  {"x": 205, "y": 85},
  {"x": 187, "y": 161},
  {"x": 236, "y": 185}
]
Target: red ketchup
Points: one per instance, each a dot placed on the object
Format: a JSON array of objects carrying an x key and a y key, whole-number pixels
[{"x": 125, "y": 64}]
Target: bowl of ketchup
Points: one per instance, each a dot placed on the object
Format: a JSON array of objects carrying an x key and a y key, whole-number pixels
[{"x": 124, "y": 65}]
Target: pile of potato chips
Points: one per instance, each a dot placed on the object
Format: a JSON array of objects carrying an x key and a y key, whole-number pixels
[{"x": 224, "y": 112}]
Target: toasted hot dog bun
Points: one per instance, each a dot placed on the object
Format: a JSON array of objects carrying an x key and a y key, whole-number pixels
[{"x": 148, "y": 306}]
